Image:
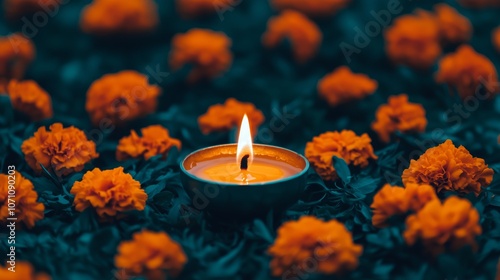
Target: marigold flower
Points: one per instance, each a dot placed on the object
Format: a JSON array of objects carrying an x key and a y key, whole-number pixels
[
  {"x": 208, "y": 51},
  {"x": 329, "y": 243},
  {"x": 196, "y": 8},
  {"x": 392, "y": 201},
  {"x": 413, "y": 40},
  {"x": 223, "y": 117},
  {"x": 342, "y": 86},
  {"x": 108, "y": 192},
  {"x": 399, "y": 115},
  {"x": 479, "y": 3},
  {"x": 304, "y": 35},
  {"x": 16, "y": 9},
  {"x": 155, "y": 140},
  {"x": 453, "y": 224},
  {"x": 24, "y": 271},
  {"x": 314, "y": 8},
  {"x": 453, "y": 27},
  {"x": 495, "y": 37},
  {"x": 446, "y": 167},
  {"x": 353, "y": 149},
  {"x": 117, "y": 17},
  {"x": 64, "y": 150},
  {"x": 121, "y": 97},
  {"x": 29, "y": 98},
  {"x": 16, "y": 53},
  {"x": 467, "y": 71},
  {"x": 151, "y": 254},
  {"x": 27, "y": 209}
]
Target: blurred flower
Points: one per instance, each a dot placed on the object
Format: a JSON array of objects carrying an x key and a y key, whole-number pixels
[
  {"x": 309, "y": 239},
  {"x": 446, "y": 167},
  {"x": 353, "y": 149},
  {"x": 108, "y": 192},
  {"x": 392, "y": 201},
  {"x": 495, "y": 36},
  {"x": 27, "y": 210},
  {"x": 206, "y": 50},
  {"x": 151, "y": 254},
  {"x": 28, "y": 98},
  {"x": 121, "y": 97},
  {"x": 399, "y": 115},
  {"x": 453, "y": 224},
  {"x": 155, "y": 140},
  {"x": 304, "y": 35},
  {"x": 16, "y": 9},
  {"x": 16, "y": 53},
  {"x": 453, "y": 27},
  {"x": 467, "y": 71},
  {"x": 342, "y": 86},
  {"x": 479, "y": 3},
  {"x": 197, "y": 8},
  {"x": 223, "y": 117},
  {"x": 64, "y": 150},
  {"x": 105, "y": 17},
  {"x": 24, "y": 271},
  {"x": 314, "y": 8},
  {"x": 413, "y": 40}
]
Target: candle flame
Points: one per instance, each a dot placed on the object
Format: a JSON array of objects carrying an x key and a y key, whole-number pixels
[{"x": 244, "y": 142}]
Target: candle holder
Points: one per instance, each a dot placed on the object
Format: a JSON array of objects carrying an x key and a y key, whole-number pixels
[{"x": 246, "y": 199}]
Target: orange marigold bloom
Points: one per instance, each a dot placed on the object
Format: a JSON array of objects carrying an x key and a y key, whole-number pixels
[
  {"x": 155, "y": 140},
  {"x": 24, "y": 271},
  {"x": 223, "y": 117},
  {"x": 208, "y": 51},
  {"x": 16, "y": 53},
  {"x": 342, "y": 86},
  {"x": 329, "y": 243},
  {"x": 27, "y": 209},
  {"x": 121, "y": 97},
  {"x": 151, "y": 254},
  {"x": 392, "y": 201},
  {"x": 314, "y": 8},
  {"x": 15, "y": 9},
  {"x": 353, "y": 149},
  {"x": 479, "y": 3},
  {"x": 118, "y": 16},
  {"x": 64, "y": 150},
  {"x": 453, "y": 224},
  {"x": 495, "y": 37},
  {"x": 196, "y": 8},
  {"x": 446, "y": 167},
  {"x": 413, "y": 40},
  {"x": 304, "y": 35},
  {"x": 467, "y": 71},
  {"x": 29, "y": 98},
  {"x": 108, "y": 192},
  {"x": 453, "y": 27},
  {"x": 399, "y": 115}
]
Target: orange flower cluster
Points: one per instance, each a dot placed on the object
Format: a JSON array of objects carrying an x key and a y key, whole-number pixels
[
  {"x": 223, "y": 117},
  {"x": 453, "y": 27},
  {"x": 393, "y": 201},
  {"x": 304, "y": 35},
  {"x": 452, "y": 224},
  {"x": 151, "y": 254},
  {"x": 63, "y": 150},
  {"x": 329, "y": 244},
  {"x": 468, "y": 71},
  {"x": 197, "y": 8},
  {"x": 105, "y": 17},
  {"x": 446, "y": 167},
  {"x": 313, "y": 8},
  {"x": 342, "y": 86},
  {"x": 208, "y": 51},
  {"x": 108, "y": 192},
  {"x": 495, "y": 37},
  {"x": 24, "y": 271},
  {"x": 27, "y": 209},
  {"x": 353, "y": 149},
  {"x": 399, "y": 115},
  {"x": 16, "y": 9},
  {"x": 121, "y": 97},
  {"x": 16, "y": 53},
  {"x": 155, "y": 140},
  {"x": 28, "y": 98},
  {"x": 479, "y": 3}
]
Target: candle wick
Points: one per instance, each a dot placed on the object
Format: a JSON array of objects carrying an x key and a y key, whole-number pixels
[{"x": 244, "y": 162}]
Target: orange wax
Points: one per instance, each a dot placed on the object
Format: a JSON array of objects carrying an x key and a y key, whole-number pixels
[{"x": 226, "y": 170}]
